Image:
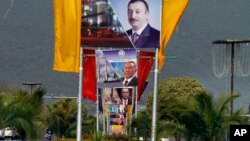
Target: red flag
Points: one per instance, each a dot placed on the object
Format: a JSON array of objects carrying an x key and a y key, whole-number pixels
[
  {"x": 89, "y": 75},
  {"x": 146, "y": 60}
]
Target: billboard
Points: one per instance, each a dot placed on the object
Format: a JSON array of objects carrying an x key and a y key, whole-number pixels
[
  {"x": 120, "y": 32},
  {"x": 121, "y": 23}
]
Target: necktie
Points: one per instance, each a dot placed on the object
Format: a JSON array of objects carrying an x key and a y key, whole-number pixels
[
  {"x": 126, "y": 83},
  {"x": 135, "y": 36},
  {"x": 125, "y": 102}
]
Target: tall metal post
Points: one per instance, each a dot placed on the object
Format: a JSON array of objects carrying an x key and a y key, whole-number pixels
[
  {"x": 232, "y": 78},
  {"x": 79, "y": 103},
  {"x": 232, "y": 43},
  {"x": 154, "y": 108},
  {"x": 97, "y": 110},
  {"x": 136, "y": 88},
  {"x": 97, "y": 99},
  {"x": 32, "y": 85}
]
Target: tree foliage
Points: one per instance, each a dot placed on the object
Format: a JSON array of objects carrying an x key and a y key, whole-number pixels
[
  {"x": 170, "y": 91},
  {"x": 142, "y": 124},
  {"x": 62, "y": 118},
  {"x": 181, "y": 88},
  {"x": 186, "y": 110},
  {"x": 206, "y": 118},
  {"x": 21, "y": 110}
]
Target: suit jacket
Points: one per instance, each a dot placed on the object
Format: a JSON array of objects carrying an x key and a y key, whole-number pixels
[
  {"x": 129, "y": 101},
  {"x": 149, "y": 38},
  {"x": 133, "y": 81}
]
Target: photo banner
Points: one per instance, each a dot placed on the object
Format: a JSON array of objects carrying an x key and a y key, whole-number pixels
[
  {"x": 118, "y": 33},
  {"x": 141, "y": 20},
  {"x": 118, "y": 24},
  {"x": 117, "y": 99},
  {"x": 118, "y": 105},
  {"x": 100, "y": 27},
  {"x": 114, "y": 66}
]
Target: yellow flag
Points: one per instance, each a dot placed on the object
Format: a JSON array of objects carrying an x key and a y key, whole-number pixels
[
  {"x": 67, "y": 27},
  {"x": 172, "y": 11}
]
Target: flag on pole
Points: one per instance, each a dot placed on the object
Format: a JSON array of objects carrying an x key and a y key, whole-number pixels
[
  {"x": 172, "y": 11},
  {"x": 67, "y": 26},
  {"x": 89, "y": 75},
  {"x": 146, "y": 60}
]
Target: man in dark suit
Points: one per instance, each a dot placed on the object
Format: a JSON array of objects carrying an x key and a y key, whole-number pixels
[
  {"x": 129, "y": 71},
  {"x": 141, "y": 34},
  {"x": 126, "y": 96}
]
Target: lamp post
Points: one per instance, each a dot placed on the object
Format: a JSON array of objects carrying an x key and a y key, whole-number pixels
[
  {"x": 248, "y": 114},
  {"x": 31, "y": 85},
  {"x": 231, "y": 43}
]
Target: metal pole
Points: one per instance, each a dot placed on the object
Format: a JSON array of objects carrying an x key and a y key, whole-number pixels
[
  {"x": 97, "y": 99},
  {"x": 79, "y": 108},
  {"x": 97, "y": 109},
  {"x": 154, "y": 109},
  {"x": 232, "y": 43},
  {"x": 136, "y": 102},
  {"x": 136, "y": 88},
  {"x": 232, "y": 78},
  {"x": 32, "y": 85},
  {"x": 103, "y": 124}
]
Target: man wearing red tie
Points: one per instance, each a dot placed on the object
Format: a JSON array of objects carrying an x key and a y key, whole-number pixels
[{"x": 129, "y": 71}]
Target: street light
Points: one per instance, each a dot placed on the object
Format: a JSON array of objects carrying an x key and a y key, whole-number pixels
[
  {"x": 232, "y": 44},
  {"x": 31, "y": 85}
]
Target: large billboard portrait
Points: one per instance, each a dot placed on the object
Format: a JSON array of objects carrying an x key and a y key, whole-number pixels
[
  {"x": 141, "y": 20},
  {"x": 100, "y": 26}
]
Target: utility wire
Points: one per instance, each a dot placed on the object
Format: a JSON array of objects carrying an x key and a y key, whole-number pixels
[{"x": 9, "y": 9}]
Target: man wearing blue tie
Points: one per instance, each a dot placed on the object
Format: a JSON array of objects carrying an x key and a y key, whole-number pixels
[{"x": 142, "y": 34}]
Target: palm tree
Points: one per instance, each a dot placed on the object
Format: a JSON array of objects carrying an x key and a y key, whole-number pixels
[
  {"x": 142, "y": 124},
  {"x": 169, "y": 121},
  {"x": 22, "y": 111},
  {"x": 61, "y": 118},
  {"x": 206, "y": 118},
  {"x": 173, "y": 128},
  {"x": 88, "y": 125},
  {"x": 97, "y": 136}
]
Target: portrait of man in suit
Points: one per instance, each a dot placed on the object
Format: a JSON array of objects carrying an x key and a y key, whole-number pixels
[
  {"x": 129, "y": 72},
  {"x": 126, "y": 96},
  {"x": 142, "y": 34}
]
